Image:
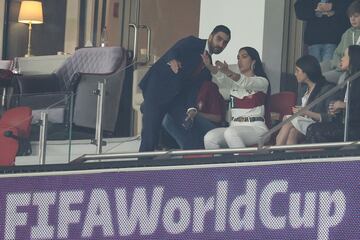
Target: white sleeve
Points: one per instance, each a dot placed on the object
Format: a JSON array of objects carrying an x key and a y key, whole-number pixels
[
  {"x": 252, "y": 83},
  {"x": 225, "y": 83}
]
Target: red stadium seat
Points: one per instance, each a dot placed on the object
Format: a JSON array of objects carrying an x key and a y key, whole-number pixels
[
  {"x": 8, "y": 145},
  {"x": 282, "y": 102},
  {"x": 19, "y": 117},
  {"x": 280, "y": 105},
  {"x": 14, "y": 126}
]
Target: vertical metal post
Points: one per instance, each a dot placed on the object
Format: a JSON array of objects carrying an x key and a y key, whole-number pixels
[
  {"x": 43, "y": 137},
  {"x": 3, "y": 99},
  {"x": 99, "y": 116},
  {"x": 71, "y": 123},
  {"x": 346, "y": 119}
]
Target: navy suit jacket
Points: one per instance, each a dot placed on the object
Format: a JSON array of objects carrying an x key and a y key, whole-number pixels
[{"x": 160, "y": 84}]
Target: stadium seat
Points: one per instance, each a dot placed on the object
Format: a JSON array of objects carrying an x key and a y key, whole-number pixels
[
  {"x": 14, "y": 134},
  {"x": 8, "y": 145},
  {"x": 281, "y": 104},
  {"x": 20, "y": 118}
]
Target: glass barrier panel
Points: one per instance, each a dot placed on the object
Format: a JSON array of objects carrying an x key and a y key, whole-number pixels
[{"x": 27, "y": 109}]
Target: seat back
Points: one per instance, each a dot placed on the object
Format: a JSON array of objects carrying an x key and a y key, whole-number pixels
[
  {"x": 99, "y": 60},
  {"x": 96, "y": 64},
  {"x": 20, "y": 118},
  {"x": 8, "y": 146},
  {"x": 282, "y": 103}
]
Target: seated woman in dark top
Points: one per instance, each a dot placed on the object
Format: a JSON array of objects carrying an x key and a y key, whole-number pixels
[
  {"x": 334, "y": 131},
  {"x": 307, "y": 72}
]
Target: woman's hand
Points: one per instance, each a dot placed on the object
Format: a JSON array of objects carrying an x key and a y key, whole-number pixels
[
  {"x": 222, "y": 67},
  {"x": 336, "y": 107},
  {"x": 296, "y": 109}
]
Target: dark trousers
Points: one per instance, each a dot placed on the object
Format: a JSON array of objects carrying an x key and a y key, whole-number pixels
[
  {"x": 153, "y": 115},
  {"x": 192, "y": 138}
]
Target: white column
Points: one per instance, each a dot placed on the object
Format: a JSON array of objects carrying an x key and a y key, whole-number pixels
[
  {"x": 72, "y": 26},
  {"x": 273, "y": 41},
  {"x": 245, "y": 18},
  {"x": 89, "y": 21}
]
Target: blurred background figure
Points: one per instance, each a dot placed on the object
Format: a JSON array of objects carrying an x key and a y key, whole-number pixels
[
  {"x": 326, "y": 21},
  {"x": 333, "y": 131}
]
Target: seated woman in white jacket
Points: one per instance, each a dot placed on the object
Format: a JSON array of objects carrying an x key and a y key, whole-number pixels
[{"x": 249, "y": 91}]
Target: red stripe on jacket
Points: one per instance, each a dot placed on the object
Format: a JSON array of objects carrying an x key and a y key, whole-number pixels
[{"x": 251, "y": 101}]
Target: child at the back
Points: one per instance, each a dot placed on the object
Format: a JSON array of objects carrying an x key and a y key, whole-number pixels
[{"x": 350, "y": 37}]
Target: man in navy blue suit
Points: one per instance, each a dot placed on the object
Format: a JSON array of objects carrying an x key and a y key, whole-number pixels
[{"x": 181, "y": 65}]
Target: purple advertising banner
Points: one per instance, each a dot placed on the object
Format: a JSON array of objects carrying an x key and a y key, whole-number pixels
[{"x": 319, "y": 200}]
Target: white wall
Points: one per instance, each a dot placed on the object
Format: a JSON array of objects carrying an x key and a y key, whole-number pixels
[
  {"x": 245, "y": 18},
  {"x": 255, "y": 23},
  {"x": 273, "y": 41},
  {"x": 72, "y": 26}
]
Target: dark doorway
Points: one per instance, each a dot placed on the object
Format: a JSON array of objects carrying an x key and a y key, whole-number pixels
[{"x": 47, "y": 38}]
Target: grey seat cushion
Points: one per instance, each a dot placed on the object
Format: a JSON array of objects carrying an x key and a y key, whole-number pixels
[
  {"x": 81, "y": 74},
  {"x": 90, "y": 60}
]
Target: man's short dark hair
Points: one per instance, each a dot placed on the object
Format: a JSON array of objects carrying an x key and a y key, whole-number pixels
[
  {"x": 221, "y": 28},
  {"x": 353, "y": 8}
]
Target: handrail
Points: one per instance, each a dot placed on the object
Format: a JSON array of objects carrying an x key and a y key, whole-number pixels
[
  {"x": 135, "y": 40},
  {"x": 307, "y": 107},
  {"x": 43, "y": 137},
  {"x": 100, "y": 92},
  {"x": 148, "y": 45},
  {"x": 254, "y": 150},
  {"x": 347, "y": 112}
]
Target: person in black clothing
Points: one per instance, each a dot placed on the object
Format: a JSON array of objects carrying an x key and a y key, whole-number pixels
[
  {"x": 170, "y": 76},
  {"x": 307, "y": 72},
  {"x": 334, "y": 131},
  {"x": 326, "y": 21}
]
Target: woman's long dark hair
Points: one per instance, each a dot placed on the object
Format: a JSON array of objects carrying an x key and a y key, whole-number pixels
[
  {"x": 311, "y": 66},
  {"x": 259, "y": 71},
  {"x": 258, "y": 67}
]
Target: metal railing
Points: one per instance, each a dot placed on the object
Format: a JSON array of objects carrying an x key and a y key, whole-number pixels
[
  {"x": 306, "y": 108},
  {"x": 43, "y": 137},
  {"x": 254, "y": 150},
  {"x": 251, "y": 150},
  {"x": 100, "y": 93},
  {"x": 43, "y": 132},
  {"x": 98, "y": 141}
]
